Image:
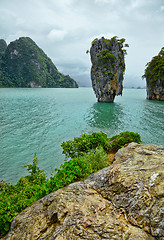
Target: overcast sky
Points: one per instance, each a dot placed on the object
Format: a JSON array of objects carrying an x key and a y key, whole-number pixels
[{"x": 64, "y": 29}]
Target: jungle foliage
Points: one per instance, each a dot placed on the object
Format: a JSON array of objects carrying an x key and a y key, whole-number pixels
[
  {"x": 155, "y": 69},
  {"x": 84, "y": 155},
  {"x": 23, "y": 62},
  {"x": 107, "y": 55}
]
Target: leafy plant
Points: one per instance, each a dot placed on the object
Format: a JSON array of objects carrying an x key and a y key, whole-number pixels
[
  {"x": 88, "y": 154},
  {"x": 37, "y": 175},
  {"x": 74, "y": 170},
  {"x": 94, "y": 40},
  {"x": 118, "y": 141},
  {"x": 98, "y": 159},
  {"x": 113, "y": 39},
  {"x": 105, "y": 55},
  {"x": 84, "y": 143},
  {"x": 77, "y": 169},
  {"x": 15, "y": 198},
  {"x": 155, "y": 69}
]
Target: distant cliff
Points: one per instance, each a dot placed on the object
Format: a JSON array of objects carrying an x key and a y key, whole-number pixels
[
  {"x": 24, "y": 64},
  {"x": 108, "y": 66},
  {"x": 154, "y": 74},
  {"x": 3, "y": 47}
]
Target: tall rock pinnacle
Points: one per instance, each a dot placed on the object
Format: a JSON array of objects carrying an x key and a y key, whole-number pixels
[{"x": 108, "y": 66}]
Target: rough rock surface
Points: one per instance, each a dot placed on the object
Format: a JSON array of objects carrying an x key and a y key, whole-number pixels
[
  {"x": 156, "y": 92},
  {"x": 107, "y": 57},
  {"x": 123, "y": 201}
]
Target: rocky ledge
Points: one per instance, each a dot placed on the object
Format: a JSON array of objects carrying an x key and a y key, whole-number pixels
[
  {"x": 108, "y": 66},
  {"x": 122, "y": 201}
]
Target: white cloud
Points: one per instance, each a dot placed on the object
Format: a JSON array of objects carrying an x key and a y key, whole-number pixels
[
  {"x": 102, "y": 1},
  {"x": 56, "y": 35},
  {"x": 162, "y": 8},
  {"x": 73, "y": 24}
]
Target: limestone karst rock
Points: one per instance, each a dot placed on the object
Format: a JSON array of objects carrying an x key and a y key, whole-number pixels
[
  {"x": 108, "y": 66},
  {"x": 24, "y": 64},
  {"x": 154, "y": 74},
  {"x": 3, "y": 45},
  {"x": 122, "y": 201}
]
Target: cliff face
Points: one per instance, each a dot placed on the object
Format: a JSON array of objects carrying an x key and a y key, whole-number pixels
[
  {"x": 123, "y": 201},
  {"x": 24, "y": 64},
  {"x": 3, "y": 47},
  {"x": 155, "y": 91},
  {"x": 154, "y": 74},
  {"x": 108, "y": 66}
]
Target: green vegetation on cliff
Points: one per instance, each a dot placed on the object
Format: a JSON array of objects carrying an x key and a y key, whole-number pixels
[
  {"x": 105, "y": 56},
  {"x": 87, "y": 154},
  {"x": 155, "y": 69},
  {"x": 3, "y": 47},
  {"x": 108, "y": 67},
  {"x": 24, "y": 64}
]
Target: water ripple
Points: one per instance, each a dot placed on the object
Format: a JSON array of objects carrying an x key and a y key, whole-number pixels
[{"x": 38, "y": 120}]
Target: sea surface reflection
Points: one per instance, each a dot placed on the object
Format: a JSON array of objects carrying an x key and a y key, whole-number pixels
[
  {"x": 108, "y": 117},
  {"x": 39, "y": 120}
]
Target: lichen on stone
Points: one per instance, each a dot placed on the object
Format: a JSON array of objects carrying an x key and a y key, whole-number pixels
[{"x": 122, "y": 201}]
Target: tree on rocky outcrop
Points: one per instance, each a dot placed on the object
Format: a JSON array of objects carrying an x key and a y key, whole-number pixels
[
  {"x": 108, "y": 67},
  {"x": 154, "y": 74}
]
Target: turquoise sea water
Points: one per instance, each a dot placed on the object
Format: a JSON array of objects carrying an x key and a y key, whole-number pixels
[{"x": 39, "y": 120}]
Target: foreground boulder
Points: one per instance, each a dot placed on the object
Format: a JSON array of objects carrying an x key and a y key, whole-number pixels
[
  {"x": 123, "y": 201},
  {"x": 108, "y": 66}
]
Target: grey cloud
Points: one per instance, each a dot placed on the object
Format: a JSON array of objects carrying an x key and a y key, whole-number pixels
[{"x": 64, "y": 30}]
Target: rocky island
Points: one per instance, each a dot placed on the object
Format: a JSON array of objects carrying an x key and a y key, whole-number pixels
[
  {"x": 122, "y": 201},
  {"x": 24, "y": 64},
  {"x": 154, "y": 74},
  {"x": 108, "y": 66}
]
